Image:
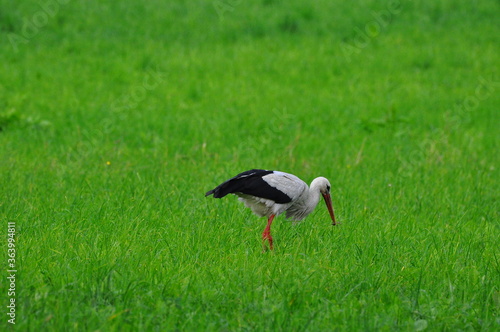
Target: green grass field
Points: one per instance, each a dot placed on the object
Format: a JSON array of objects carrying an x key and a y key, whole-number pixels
[{"x": 117, "y": 116}]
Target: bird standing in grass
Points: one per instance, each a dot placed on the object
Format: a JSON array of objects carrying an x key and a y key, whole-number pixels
[{"x": 270, "y": 193}]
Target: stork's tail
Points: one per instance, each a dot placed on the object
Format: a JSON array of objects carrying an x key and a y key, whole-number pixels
[
  {"x": 239, "y": 183},
  {"x": 218, "y": 192}
]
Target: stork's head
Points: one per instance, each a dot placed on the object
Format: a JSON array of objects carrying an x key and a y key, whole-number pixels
[{"x": 324, "y": 186}]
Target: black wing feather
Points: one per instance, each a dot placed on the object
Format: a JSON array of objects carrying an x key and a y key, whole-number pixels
[{"x": 250, "y": 183}]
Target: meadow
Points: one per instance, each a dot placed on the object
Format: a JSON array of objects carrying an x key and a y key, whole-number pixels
[{"x": 117, "y": 116}]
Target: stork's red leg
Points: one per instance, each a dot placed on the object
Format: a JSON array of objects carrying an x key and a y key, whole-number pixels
[{"x": 267, "y": 233}]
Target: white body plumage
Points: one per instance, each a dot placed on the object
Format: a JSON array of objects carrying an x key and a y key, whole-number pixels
[{"x": 303, "y": 199}]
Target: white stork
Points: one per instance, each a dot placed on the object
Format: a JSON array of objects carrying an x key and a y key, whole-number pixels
[{"x": 270, "y": 193}]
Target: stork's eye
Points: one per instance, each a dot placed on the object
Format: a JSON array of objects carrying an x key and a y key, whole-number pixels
[{"x": 328, "y": 188}]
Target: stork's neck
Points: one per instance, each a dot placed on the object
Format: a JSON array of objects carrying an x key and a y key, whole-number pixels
[{"x": 314, "y": 194}]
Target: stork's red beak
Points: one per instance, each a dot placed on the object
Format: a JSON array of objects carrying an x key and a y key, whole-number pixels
[{"x": 328, "y": 201}]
